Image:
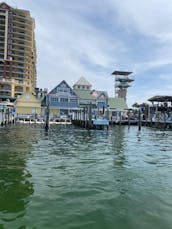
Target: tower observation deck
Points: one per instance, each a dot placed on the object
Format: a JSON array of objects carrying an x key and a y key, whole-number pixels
[{"x": 122, "y": 82}]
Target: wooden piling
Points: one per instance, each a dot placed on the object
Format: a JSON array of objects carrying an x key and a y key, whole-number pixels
[
  {"x": 139, "y": 120},
  {"x": 47, "y": 121}
]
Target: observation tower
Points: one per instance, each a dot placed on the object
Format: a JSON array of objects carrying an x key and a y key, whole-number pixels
[{"x": 122, "y": 82}]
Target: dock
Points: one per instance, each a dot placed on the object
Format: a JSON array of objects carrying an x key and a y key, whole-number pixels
[
  {"x": 6, "y": 119},
  {"x": 92, "y": 124}
]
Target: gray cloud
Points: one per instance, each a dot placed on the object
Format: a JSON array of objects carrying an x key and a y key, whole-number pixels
[{"x": 93, "y": 38}]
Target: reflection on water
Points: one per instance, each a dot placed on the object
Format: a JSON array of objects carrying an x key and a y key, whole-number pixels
[
  {"x": 74, "y": 178},
  {"x": 15, "y": 187}
]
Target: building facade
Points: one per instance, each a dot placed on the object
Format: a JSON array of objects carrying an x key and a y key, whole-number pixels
[
  {"x": 82, "y": 101},
  {"x": 62, "y": 100},
  {"x": 17, "y": 52},
  {"x": 27, "y": 104}
]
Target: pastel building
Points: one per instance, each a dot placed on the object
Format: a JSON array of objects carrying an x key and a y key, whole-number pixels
[
  {"x": 27, "y": 104},
  {"x": 81, "y": 100},
  {"x": 62, "y": 100},
  {"x": 17, "y": 52}
]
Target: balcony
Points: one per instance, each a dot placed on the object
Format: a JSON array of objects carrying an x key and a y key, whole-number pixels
[
  {"x": 21, "y": 44},
  {"x": 6, "y": 93},
  {"x": 16, "y": 71},
  {"x": 2, "y": 17},
  {"x": 19, "y": 82},
  {"x": 122, "y": 84},
  {"x": 22, "y": 17},
  {"x": 18, "y": 53},
  {"x": 124, "y": 78},
  {"x": 18, "y": 60},
  {"x": 18, "y": 76},
  {"x": 5, "y": 88},
  {"x": 2, "y": 27},
  {"x": 23, "y": 22},
  {"x": 21, "y": 33},
  {"x": 19, "y": 66},
  {"x": 22, "y": 26},
  {"x": 21, "y": 38},
  {"x": 18, "y": 89},
  {"x": 5, "y": 81}
]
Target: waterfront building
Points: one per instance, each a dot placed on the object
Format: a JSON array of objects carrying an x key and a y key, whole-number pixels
[
  {"x": 117, "y": 108},
  {"x": 161, "y": 108},
  {"x": 82, "y": 89},
  {"x": 101, "y": 100},
  {"x": 17, "y": 52},
  {"x": 62, "y": 100},
  {"x": 82, "y": 102},
  {"x": 90, "y": 98},
  {"x": 27, "y": 104}
]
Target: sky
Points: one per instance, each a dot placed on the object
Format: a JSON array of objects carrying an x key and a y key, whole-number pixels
[{"x": 93, "y": 38}]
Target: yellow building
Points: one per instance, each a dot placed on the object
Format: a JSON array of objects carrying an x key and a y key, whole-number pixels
[
  {"x": 17, "y": 52},
  {"x": 27, "y": 104}
]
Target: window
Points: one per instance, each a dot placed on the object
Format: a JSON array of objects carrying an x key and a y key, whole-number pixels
[
  {"x": 63, "y": 88},
  {"x": 64, "y": 100},
  {"x": 54, "y": 99},
  {"x": 73, "y": 100}
]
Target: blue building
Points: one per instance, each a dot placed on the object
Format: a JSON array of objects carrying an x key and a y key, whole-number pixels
[
  {"x": 76, "y": 102},
  {"x": 62, "y": 100}
]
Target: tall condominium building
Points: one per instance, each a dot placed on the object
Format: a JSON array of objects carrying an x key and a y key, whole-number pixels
[{"x": 17, "y": 52}]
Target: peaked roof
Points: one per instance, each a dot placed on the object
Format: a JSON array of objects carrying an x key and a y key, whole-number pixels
[
  {"x": 27, "y": 99},
  {"x": 117, "y": 103},
  {"x": 62, "y": 82},
  {"x": 99, "y": 93},
  {"x": 4, "y": 5},
  {"x": 83, "y": 82},
  {"x": 83, "y": 94}
]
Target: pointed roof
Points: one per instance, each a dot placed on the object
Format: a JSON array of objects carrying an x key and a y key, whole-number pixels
[
  {"x": 82, "y": 82},
  {"x": 27, "y": 100},
  {"x": 62, "y": 82},
  {"x": 98, "y": 94},
  {"x": 4, "y": 6}
]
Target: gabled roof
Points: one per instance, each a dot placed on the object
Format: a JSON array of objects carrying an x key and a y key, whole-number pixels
[
  {"x": 27, "y": 100},
  {"x": 53, "y": 91},
  {"x": 82, "y": 82},
  {"x": 99, "y": 93},
  {"x": 83, "y": 94},
  {"x": 117, "y": 103},
  {"x": 4, "y": 5}
]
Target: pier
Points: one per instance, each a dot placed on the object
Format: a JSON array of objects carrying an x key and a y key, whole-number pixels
[
  {"x": 93, "y": 124},
  {"x": 6, "y": 113}
]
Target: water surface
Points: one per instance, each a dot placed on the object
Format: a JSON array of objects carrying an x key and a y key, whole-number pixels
[{"x": 69, "y": 178}]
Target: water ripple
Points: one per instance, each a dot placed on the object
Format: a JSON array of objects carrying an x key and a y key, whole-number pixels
[{"x": 70, "y": 177}]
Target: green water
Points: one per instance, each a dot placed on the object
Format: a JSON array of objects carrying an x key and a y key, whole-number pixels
[{"x": 71, "y": 178}]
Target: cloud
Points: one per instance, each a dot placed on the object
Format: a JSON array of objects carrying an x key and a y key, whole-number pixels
[{"x": 94, "y": 38}]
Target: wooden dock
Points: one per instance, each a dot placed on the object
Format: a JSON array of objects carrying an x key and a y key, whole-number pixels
[
  {"x": 156, "y": 124},
  {"x": 92, "y": 124},
  {"x": 5, "y": 119}
]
